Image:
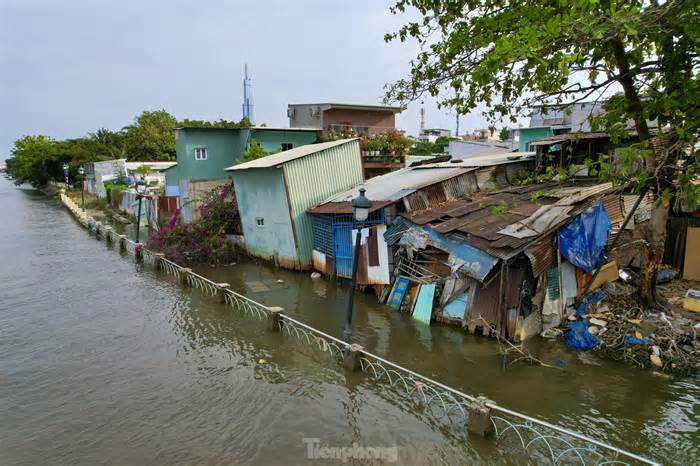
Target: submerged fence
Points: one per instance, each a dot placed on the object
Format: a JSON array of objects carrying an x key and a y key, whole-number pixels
[{"x": 518, "y": 433}]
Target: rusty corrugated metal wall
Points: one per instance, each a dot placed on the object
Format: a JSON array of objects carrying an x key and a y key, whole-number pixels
[{"x": 313, "y": 179}]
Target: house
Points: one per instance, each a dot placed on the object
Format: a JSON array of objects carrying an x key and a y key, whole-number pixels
[
  {"x": 494, "y": 257},
  {"x": 343, "y": 118},
  {"x": 431, "y": 134},
  {"x": 275, "y": 192},
  {"x": 155, "y": 175},
  {"x": 97, "y": 173},
  {"x": 402, "y": 192},
  {"x": 203, "y": 154},
  {"x": 550, "y": 120}
]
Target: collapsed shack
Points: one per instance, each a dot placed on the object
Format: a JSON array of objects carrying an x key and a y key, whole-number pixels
[{"x": 492, "y": 261}]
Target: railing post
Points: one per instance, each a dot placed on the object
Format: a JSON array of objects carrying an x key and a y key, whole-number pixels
[
  {"x": 159, "y": 259},
  {"x": 184, "y": 273},
  {"x": 480, "y": 417},
  {"x": 108, "y": 235},
  {"x": 223, "y": 288},
  {"x": 351, "y": 357},
  {"x": 275, "y": 318},
  {"x": 138, "y": 253},
  {"x": 122, "y": 243}
]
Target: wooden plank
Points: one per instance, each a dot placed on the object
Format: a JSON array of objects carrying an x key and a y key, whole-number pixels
[
  {"x": 423, "y": 309},
  {"x": 691, "y": 266},
  {"x": 372, "y": 248}
]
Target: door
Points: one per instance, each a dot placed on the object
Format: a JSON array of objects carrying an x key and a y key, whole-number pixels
[{"x": 342, "y": 247}]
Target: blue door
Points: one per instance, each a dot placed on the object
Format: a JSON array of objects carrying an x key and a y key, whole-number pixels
[{"x": 342, "y": 248}]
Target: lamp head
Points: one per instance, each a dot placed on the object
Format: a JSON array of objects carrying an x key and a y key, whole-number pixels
[{"x": 361, "y": 206}]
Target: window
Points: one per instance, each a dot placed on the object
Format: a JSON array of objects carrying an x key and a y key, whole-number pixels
[
  {"x": 259, "y": 221},
  {"x": 287, "y": 146},
  {"x": 200, "y": 153}
]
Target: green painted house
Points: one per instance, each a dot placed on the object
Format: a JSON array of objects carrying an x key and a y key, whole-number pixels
[
  {"x": 528, "y": 135},
  {"x": 203, "y": 154},
  {"x": 275, "y": 192}
]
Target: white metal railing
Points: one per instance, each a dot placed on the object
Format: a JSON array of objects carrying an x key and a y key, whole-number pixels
[{"x": 539, "y": 439}]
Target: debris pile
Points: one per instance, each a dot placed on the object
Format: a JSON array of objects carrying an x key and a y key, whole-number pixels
[{"x": 646, "y": 338}]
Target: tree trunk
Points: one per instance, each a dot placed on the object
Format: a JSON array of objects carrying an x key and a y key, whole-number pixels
[{"x": 656, "y": 230}]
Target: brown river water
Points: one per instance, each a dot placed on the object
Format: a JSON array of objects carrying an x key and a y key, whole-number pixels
[{"x": 103, "y": 361}]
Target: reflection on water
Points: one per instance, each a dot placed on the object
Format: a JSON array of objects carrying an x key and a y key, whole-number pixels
[{"x": 102, "y": 361}]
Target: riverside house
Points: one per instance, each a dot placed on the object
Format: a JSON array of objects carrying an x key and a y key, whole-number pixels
[
  {"x": 203, "y": 154},
  {"x": 275, "y": 192}
]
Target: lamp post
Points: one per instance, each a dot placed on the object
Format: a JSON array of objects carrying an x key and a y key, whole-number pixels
[
  {"x": 81, "y": 172},
  {"x": 360, "y": 212},
  {"x": 140, "y": 191},
  {"x": 66, "y": 167}
]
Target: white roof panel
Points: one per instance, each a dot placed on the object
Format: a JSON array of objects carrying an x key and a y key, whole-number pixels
[{"x": 289, "y": 155}]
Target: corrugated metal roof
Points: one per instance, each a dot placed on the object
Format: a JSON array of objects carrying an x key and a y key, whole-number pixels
[
  {"x": 312, "y": 179},
  {"x": 559, "y": 138},
  {"x": 398, "y": 184},
  {"x": 289, "y": 155},
  {"x": 479, "y": 220},
  {"x": 487, "y": 160}
]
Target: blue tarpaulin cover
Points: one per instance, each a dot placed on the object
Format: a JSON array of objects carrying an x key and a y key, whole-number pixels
[
  {"x": 632, "y": 341},
  {"x": 578, "y": 336},
  {"x": 590, "y": 298},
  {"x": 583, "y": 241}
]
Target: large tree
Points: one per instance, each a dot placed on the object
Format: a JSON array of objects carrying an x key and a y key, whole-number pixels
[
  {"x": 639, "y": 56},
  {"x": 151, "y": 136}
]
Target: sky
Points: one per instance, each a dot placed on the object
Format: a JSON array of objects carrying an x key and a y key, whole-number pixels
[{"x": 73, "y": 66}]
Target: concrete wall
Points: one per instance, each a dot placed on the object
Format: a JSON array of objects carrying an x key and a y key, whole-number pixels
[
  {"x": 261, "y": 193},
  {"x": 532, "y": 134},
  {"x": 224, "y": 148}
]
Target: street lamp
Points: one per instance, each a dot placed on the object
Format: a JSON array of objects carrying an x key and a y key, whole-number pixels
[
  {"x": 360, "y": 212},
  {"x": 140, "y": 191},
  {"x": 66, "y": 167},
  {"x": 81, "y": 172}
]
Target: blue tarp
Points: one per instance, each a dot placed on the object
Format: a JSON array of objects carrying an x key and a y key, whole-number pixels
[
  {"x": 632, "y": 341},
  {"x": 590, "y": 298},
  {"x": 583, "y": 241},
  {"x": 578, "y": 336},
  {"x": 476, "y": 263}
]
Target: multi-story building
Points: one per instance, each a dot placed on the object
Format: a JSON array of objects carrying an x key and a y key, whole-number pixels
[{"x": 342, "y": 118}]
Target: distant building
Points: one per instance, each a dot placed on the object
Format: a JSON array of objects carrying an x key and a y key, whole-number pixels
[
  {"x": 551, "y": 120},
  {"x": 431, "y": 134},
  {"x": 203, "y": 154},
  {"x": 275, "y": 192},
  {"x": 341, "y": 118},
  {"x": 156, "y": 174},
  {"x": 98, "y": 173},
  {"x": 460, "y": 150}
]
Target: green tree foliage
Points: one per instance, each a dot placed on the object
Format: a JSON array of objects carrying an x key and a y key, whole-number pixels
[
  {"x": 36, "y": 160},
  {"x": 504, "y": 134},
  {"x": 243, "y": 123},
  {"x": 151, "y": 137},
  {"x": 430, "y": 148},
  {"x": 509, "y": 57},
  {"x": 255, "y": 151},
  {"x": 39, "y": 159}
]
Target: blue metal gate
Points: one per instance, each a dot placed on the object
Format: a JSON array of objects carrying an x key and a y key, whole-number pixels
[{"x": 342, "y": 248}]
